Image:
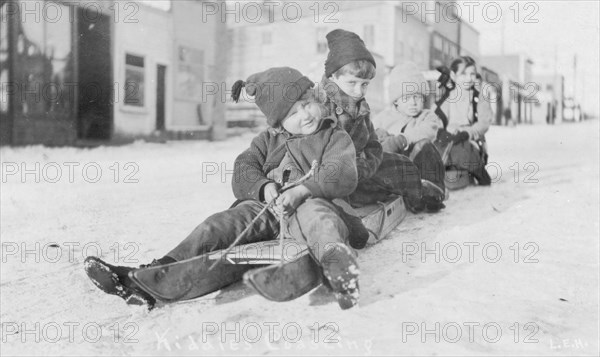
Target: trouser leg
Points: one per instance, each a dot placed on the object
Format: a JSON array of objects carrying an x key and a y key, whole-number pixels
[
  {"x": 466, "y": 156},
  {"x": 317, "y": 221},
  {"x": 396, "y": 175},
  {"x": 221, "y": 229},
  {"x": 429, "y": 162}
]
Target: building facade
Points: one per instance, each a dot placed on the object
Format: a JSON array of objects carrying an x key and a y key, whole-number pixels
[
  {"x": 298, "y": 40},
  {"x": 80, "y": 72},
  {"x": 519, "y": 91},
  {"x": 425, "y": 33}
]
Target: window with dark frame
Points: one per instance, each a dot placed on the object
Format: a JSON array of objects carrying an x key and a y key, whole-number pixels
[{"x": 134, "y": 80}]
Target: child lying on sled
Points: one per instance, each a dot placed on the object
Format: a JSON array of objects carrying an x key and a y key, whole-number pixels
[{"x": 297, "y": 135}]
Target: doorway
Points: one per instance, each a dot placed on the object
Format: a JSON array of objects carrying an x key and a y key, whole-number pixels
[{"x": 95, "y": 105}]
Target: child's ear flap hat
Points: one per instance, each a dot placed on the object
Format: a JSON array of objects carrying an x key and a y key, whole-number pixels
[
  {"x": 345, "y": 47},
  {"x": 407, "y": 79},
  {"x": 275, "y": 91}
]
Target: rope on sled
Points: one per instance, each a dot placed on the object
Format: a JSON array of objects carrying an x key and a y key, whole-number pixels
[{"x": 286, "y": 187}]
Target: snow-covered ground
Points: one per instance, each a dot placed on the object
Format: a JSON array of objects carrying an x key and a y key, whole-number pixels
[{"x": 510, "y": 269}]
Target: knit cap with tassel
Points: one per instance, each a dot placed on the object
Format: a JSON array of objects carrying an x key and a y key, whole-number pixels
[{"x": 275, "y": 91}]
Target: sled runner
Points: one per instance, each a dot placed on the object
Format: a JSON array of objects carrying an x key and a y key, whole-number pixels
[
  {"x": 289, "y": 280},
  {"x": 188, "y": 279},
  {"x": 457, "y": 179}
]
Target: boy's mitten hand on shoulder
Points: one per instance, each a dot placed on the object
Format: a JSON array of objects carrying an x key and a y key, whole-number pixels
[
  {"x": 460, "y": 137},
  {"x": 391, "y": 143},
  {"x": 444, "y": 136},
  {"x": 395, "y": 143}
]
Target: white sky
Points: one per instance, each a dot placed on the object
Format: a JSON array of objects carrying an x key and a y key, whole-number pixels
[{"x": 563, "y": 29}]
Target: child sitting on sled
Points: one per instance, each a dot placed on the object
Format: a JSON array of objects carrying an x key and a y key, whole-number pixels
[
  {"x": 406, "y": 128},
  {"x": 349, "y": 69},
  {"x": 466, "y": 114},
  {"x": 297, "y": 135}
]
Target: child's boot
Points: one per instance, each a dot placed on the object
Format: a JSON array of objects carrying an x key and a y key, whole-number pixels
[
  {"x": 482, "y": 177},
  {"x": 414, "y": 204},
  {"x": 432, "y": 191},
  {"x": 341, "y": 271},
  {"x": 114, "y": 280}
]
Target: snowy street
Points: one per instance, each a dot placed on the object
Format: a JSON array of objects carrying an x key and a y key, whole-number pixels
[{"x": 504, "y": 270}]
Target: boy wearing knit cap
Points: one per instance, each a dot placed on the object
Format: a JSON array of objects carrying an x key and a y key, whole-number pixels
[
  {"x": 297, "y": 135},
  {"x": 408, "y": 129},
  {"x": 348, "y": 70}
]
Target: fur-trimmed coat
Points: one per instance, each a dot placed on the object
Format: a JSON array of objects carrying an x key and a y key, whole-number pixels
[
  {"x": 275, "y": 149},
  {"x": 396, "y": 131}
]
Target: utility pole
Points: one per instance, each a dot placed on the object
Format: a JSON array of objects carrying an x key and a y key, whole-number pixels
[
  {"x": 502, "y": 36},
  {"x": 556, "y": 106},
  {"x": 582, "y": 106},
  {"x": 555, "y": 60},
  {"x": 574, "y": 76}
]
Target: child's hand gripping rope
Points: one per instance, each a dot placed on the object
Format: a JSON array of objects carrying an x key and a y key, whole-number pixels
[{"x": 287, "y": 186}]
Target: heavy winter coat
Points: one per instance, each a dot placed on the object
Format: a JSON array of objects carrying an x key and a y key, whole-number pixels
[
  {"x": 379, "y": 174},
  {"x": 396, "y": 131},
  {"x": 336, "y": 176},
  {"x": 459, "y": 111},
  {"x": 355, "y": 119}
]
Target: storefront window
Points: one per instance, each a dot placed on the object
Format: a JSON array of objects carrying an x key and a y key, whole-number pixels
[
  {"x": 32, "y": 72},
  {"x": 60, "y": 60},
  {"x": 134, "y": 80},
  {"x": 3, "y": 58},
  {"x": 3, "y": 36},
  {"x": 43, "y": 63}
]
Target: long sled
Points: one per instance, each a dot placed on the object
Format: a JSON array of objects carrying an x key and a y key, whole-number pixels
[
  {"x": 457, "y": 179},
  {"x": 188, "y": 279},
  {"x": 291, "y": 279},
  {"x": 276, "y": 276}
]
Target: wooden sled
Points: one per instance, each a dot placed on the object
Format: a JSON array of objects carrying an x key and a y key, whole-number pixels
[
  {"x": 289, "y": 280},
  {"x": 188, "y": 279},
  {"x": 276, "y": 276},
  {"x": 457, "y": 179}
]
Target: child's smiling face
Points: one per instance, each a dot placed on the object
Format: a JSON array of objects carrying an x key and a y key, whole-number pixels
[
  {"x": 465, "y": 76},
  {"x": 353, "y": 86},
  {"x": 303, "y": 118}
]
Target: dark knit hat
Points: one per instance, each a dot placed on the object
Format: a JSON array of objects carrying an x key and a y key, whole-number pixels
[
  {"x": 344, "y": 47},
  {"x": 275, "y": 91}
]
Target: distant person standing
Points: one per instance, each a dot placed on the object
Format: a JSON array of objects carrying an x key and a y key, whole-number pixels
[{"x": 507, "y": 115}]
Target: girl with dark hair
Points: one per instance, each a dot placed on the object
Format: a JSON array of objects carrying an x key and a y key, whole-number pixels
[{"x": 466, "y": 116}]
